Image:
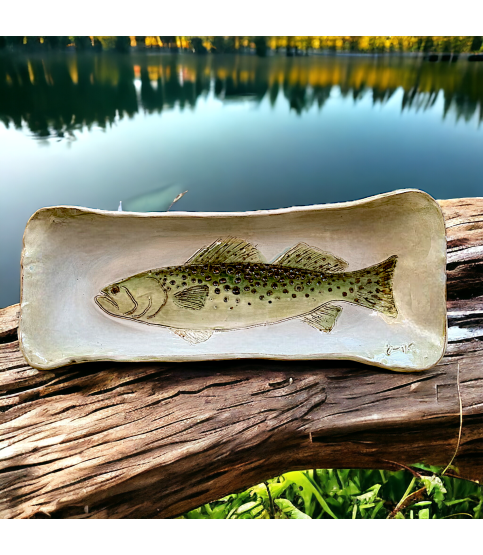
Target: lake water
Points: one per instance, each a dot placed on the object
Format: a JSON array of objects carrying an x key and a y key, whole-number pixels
[{"x": 237, "y": 132}]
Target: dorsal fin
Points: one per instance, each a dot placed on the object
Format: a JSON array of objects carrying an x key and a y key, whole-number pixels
[
  {"x": 229, "y": 250},
  {"x": 311, "y": 258}
]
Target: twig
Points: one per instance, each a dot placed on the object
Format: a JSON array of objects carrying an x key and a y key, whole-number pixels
[
  {"x": 176, "y": 200},
  {"x": 272, "y": 509},
  {"x": 461, "y": 422}
]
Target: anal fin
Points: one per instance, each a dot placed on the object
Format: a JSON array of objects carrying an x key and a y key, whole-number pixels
[
  {"x": 323, "y": 318},
  {"x": 193, "y": 336}
]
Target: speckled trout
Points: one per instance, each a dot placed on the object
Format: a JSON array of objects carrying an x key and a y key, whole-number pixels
[{"x": 227, "y": 285}]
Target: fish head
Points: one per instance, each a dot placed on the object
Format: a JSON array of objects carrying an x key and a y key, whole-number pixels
[{"x": 134, "y": 297}]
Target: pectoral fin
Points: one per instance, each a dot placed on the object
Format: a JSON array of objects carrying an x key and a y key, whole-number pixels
[
  {"x": 192, "y": 298},
  {"x": 324, "y": 318},
  {"x": 193, "y": 336}
]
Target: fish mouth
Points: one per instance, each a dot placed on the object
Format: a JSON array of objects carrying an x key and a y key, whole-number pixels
[{"x": 105, "y": 297}]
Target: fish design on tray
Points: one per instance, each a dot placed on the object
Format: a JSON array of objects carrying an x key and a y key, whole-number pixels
[{"x": 228, "y": 285}]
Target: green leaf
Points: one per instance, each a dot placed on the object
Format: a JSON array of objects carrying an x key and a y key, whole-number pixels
[
  {"x": 423, "y": 513},
  {"x": 377, "y": 508},
  {"x": 422, "y": 504},
  {"x": 247, "y": 507},
  {"x": 455, "y": 501},
  {"x": 289, "y": 510},
  {"x": 300, "y": 479},
  {"x": 434, "y": 484},
  {"x": 370, "y": 495}
]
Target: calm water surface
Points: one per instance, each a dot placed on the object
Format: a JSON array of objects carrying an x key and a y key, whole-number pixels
[{"x": 239, "y": 132}]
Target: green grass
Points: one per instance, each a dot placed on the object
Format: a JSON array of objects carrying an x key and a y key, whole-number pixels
[{"x": 370, "y": 494}]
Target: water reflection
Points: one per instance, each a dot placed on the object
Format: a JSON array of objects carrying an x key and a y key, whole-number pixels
[{"x": 54, "y": 95}]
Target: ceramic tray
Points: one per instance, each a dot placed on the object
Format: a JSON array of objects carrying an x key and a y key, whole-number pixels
[{"x": 361, "y": 280}]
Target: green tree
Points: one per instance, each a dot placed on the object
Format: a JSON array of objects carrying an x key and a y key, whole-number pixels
[
  {"x": 476, "y": 44},
  {"x": 197, "y": 45},
  {"x": 218, "y": 44},
  {"x": 260, "y": 46},
  {"x": 123, "y": 44},
  {"x": 83, "y": 43}
]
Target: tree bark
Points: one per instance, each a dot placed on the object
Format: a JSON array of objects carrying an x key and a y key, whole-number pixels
[{"x": 105, "y": 440}]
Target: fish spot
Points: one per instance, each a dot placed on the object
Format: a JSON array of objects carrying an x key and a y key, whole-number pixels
[
  {"x": 378, "y": 290},
  {"x": 351, "y": 290},
  {"x": 319, "y": 283},
  {"x": 294, "y": 296},
  {"x": 172, "y": 282},
  {"x": 277, "y": 298},
  {"x": 237, "y": 280},
  {"x": 215, "y": 283},
  {"x": 184, "y": 284},
  {"x": 231, "y": 308},
  {"x": 227, "y": 287},
  {"x": 184, "y": 277},
  {"x": 225, "y": 300},
  {"x": 235, "y": 290},
  {"x": 269, "y": 293},
  {"x": 274, "y": 285},
  {"x": 168, "y": 288},
  {"x": 257, "y": 284},
  {"x": 208, "y": 278},
  {"x": 307, "y": 295},
  {"x": 115, "y": 290},
  {"x": 254, "y": 290},
  {"x": 237, "y": 301},
  {"x": 330, "y": 289},
  {"x": 269, "y": 302},
  {"x": 312, "y": 289},
  {"x": 229, "y": 270},
  {"x": 369, "y": 281},
  {"x": 338, "y": 287},
  {"x": 262, "y": 297},
  {"x": 200, "y": 281},
  {"x": 309, "y": 283},
  {"x": 222, "y": 280},
  {"x": 249, "y": 304},
  {"x": 356, "y": 300},
  {"x": 361, "y": 287},
  {"x": 217, "y": 291},
  {"x": 285, "y": 291},
  {"x": 344, "y": 294},
  {"x": 216, "y": 270},
  {"x": 299, "y": 288},
  {"x": 290, "y": 282}
]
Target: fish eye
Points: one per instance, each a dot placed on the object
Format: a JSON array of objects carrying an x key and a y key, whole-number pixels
[{"x": 115, "y": 290}]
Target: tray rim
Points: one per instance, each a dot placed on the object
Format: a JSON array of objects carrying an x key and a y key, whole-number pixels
[{"x": 252, "y": 213}]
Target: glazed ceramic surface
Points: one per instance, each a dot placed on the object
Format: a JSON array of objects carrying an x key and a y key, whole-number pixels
[{"x": 361, "y": 280}]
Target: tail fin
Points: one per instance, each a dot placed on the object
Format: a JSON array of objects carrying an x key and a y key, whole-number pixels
[{"x": 373, "y": 287}]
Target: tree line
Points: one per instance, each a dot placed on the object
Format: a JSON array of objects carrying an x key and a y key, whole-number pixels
[
  {"x": 260, "y": 45},
  {"x": 59, "y": 96}
]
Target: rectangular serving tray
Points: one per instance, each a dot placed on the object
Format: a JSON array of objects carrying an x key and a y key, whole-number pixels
[{"x": 362, "y": 280}]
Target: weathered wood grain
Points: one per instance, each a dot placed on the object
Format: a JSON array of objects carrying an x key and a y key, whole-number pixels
[{"x": 111, "y": 440}]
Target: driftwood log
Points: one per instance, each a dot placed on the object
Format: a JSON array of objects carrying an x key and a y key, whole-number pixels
[{"x": 111, "y": 440}]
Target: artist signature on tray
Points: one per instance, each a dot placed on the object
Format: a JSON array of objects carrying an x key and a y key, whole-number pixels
[{"x": 405, "y": 348}]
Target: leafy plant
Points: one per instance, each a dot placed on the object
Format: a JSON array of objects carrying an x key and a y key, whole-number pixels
[{"x": 418, "y": 493}]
